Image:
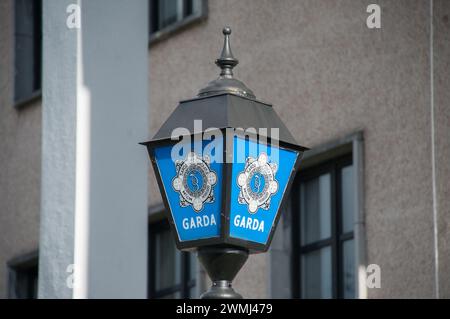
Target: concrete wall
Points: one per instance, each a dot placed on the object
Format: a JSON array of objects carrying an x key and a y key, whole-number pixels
[
  {"x": 58, "y": 151},
  {"x": 94, "y": 184},
  {"x": 20, "y": 159},
  {"x": 328, "y": 75}
]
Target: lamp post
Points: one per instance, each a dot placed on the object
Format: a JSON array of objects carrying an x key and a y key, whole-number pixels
[{"x": 224, "y": 163}]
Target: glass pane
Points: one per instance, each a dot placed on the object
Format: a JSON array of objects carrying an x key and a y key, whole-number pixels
[
  {"x": 193, "y": 292},
  {"x": 24, "y": 17},
  {"x": 348, "y": 196},
  {"x": 175, "y": 295},
  {"x": 167, "y": 263},
  {"x": 26, "y": 63},
  {"x": 315, "y": 209},
  {"x": 168, "y": 12},
  {"x": 348, "y": 269},
  {"x": 192, "y": 266},
  {"x": 188, "y": 7},
  {"x": 316, "y": 274},
  {"x": 33, "y": 273},
  {"x": 192, "y": 274}
]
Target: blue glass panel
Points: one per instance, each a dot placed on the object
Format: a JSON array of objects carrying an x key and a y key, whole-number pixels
[
  {"x": 260, "y": 175},
  {"x": 193, "y": 188}
]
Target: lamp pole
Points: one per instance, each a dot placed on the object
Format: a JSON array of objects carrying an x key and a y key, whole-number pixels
[{"x": 222, "y": 263}]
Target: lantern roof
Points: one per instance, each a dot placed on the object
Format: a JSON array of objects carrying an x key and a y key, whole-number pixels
[
  {"x": 226, "y": 103},
  {"x": 223, "y": 111}
]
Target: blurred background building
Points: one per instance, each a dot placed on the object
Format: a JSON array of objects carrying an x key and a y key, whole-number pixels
[{"x": 372, "y": 104}]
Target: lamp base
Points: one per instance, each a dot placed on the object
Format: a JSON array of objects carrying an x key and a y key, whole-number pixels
[
  {"x": 221, "y": 290},
  {"x": 222, "y": 263}
]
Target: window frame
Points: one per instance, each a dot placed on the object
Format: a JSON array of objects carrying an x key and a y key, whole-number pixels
[
  {"x": 186, "y": 284},
  {"x": 16, "y": 267},
  {"x": 164, "y": 33},
  {"x": 37, "y": 71},
  {"x": 280, "y": 253},
  {"x": 335, "y": 241}
]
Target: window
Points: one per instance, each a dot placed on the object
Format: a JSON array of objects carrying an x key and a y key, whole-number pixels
[
  {"x": 23, "y": 277},
  {"x": 27, "y": 35},
  {"x": 323, "y": 237},
  {"x": 171, "y": 273},
  {"x": 167, "y": 16}
]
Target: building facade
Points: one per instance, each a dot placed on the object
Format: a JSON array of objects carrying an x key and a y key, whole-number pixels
[
  {"x": 373, "y": 193},
  {"x": 20, "y": 158}
]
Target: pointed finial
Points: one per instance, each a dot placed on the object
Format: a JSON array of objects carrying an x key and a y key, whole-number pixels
[
  {"x": 226, "y": 61},
  {"x": 226, "y": 83}
]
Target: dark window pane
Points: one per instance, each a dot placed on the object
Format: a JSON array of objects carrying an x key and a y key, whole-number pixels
[
  {"x": 175, "y": 295},
  {"x": 154, "y": 16},
  {"x": 192, "y": 265},
  {"x": 26, "y": 283},
  {"x": 171, "y": 272},
  {"x": 188, "y": 8},
  {"x": 168, "y": 12},
  {"x": 325, "y": 257},
  {"x": 348, "y": 268},
  {"x": 167, "y": 263},
  {"x": 315, "y": 209},
  {"x": 348, "y": 197},
  {"x": 25, "y": 17},
  {"x": 192, "y": 258},
  {"x": 193, "y": 292},
  {"x": 23, "y": 277},
  {"x": 164, "y": 13},
  {"x": 316, "y": 276},
  {"x": 27, "y": 48}
]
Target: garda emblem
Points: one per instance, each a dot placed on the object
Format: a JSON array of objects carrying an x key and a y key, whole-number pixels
[
  {"x": 194, "y": 181},
  {"x": 257, "y": 183}
]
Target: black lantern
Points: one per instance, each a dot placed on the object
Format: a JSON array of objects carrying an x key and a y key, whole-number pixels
[{"x": 224, "y": 163}]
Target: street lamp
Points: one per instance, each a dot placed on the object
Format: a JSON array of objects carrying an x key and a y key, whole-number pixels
[{"x": 224, "y": 163}]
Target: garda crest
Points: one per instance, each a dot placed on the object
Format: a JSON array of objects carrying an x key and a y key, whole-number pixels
[
  {"x": 257, "y": 183},
  {"x": 194, "y": 181}
]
